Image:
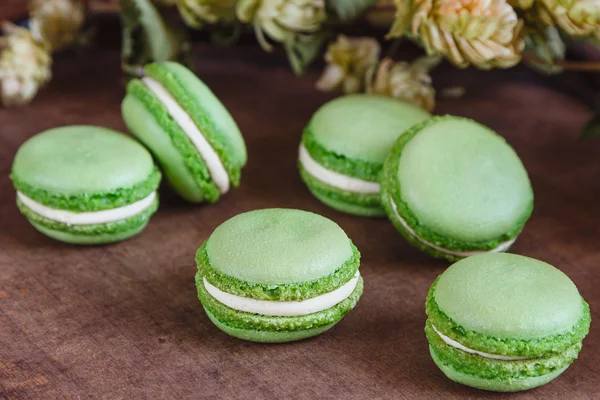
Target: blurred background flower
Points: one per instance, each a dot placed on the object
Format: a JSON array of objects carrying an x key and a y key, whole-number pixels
[
  {"x": 25, "y": 65},
  {"x": 348, "y": 60}
]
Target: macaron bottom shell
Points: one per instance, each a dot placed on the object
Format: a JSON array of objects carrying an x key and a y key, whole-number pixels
[
  {"x": 272, "y": 328},
  {"x": 267, "y": 336},
  {"x": 74, "y": 238},
  {"x": 363, "y": 205},
  {"x": 506, "y": 385},
  {"x": 90, "y": 234}
]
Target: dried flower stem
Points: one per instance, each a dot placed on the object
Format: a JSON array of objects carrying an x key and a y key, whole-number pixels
[{"x": 584, "y": 66}]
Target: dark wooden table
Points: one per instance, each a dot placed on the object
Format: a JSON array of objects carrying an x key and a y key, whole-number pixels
[{"x": 123, "y": 321}]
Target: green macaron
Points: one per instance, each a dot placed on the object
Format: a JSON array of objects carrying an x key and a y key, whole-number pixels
[
  {"x": 345, "y": 145},
  {"x": 85, "y": 184},
  {"x": 278, "y": 275},
  {"x": 504, "y": 322},
  {"x": 187, "y": 128},
  {"x": 454, "y": 188}
]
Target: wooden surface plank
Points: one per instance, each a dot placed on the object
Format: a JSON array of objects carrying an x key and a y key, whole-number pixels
[{"x": 123, "y": 321}]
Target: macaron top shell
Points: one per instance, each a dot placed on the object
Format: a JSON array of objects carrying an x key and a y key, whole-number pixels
[
  {"x": 82, "y": 160},
  {"x": 278, "y": 246},
  {"x": 454, "y": 164},
  {"x": 363, "y": 126},
  {"x": 202, "y": 105},
  {"x": 509, "y": 296}
]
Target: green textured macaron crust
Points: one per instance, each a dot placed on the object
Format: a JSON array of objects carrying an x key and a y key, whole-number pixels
[
  {"x": 363, "y": 204},
  {"x": 510, "y": 296},
  {"x": 267, "y": 336},
  {"x": 278, "y": 292},
  {"x": 354, "y": 167},
  {"x": 489, "y": 368},
  {"x": 248, "y": 321},
  {"x": 495, "y": 385},
  {"x": 353, "y": 134},
  {"x": 192, "y": 159},
  {"x": 489, "y": 232},
  {"x": 110, "y": 228},
  {"x": 534, "y": 347},
  {"x": 279, "y": 246},
  {"x": 84, "y": 168}
]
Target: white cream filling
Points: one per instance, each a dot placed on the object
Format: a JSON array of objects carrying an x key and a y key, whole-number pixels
[
  {"x": 500, "y": 248},
  {"x": 455, "y": 344},
  {"x": 333, "y": 178},
  {"x": 284, "y": 308},
  {"x": 208, "y": 154},
  {"x": 88, "y": 218}
]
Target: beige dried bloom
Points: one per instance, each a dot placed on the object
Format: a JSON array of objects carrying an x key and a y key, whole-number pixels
[
  {"x": 483, "y": 33},
  {"x": 281, "y": 19},
  {"x": 575, "y": 17},
  {"x": 25, "y": 65},
  {"x": 197, "y": 13},
  {"x": 403, "y": 80},
  {"x": 57, "y": 21},
  {"x": 348, "y": 60}
]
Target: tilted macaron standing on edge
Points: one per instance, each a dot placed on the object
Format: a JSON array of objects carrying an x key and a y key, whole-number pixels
[
  {"x": 454, "y": 188},
  {"x": 278, "y": 275},
  {"x": 187, "y": 128},
  {"x": 504, "y": 322},
  {"x": 85, "y": 184},
  {"x": 344, "y": 146}
]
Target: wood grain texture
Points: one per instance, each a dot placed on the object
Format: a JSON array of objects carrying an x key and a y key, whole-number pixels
[{"x": 123, "y": 321}]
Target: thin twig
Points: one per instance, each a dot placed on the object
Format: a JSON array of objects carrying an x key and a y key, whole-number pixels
[{"x": 588, "y": 66}]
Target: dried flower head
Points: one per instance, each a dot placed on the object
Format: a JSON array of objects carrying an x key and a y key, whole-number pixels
[
  {"x": 281, "y": 19},
  {"x": 575, "y": 17},
  {"x": 25, "y": 65},
  {"x": 197, "y": 13},
  {"x": 403, "y": 80},
  {"x": 348, "y": 60},
  {"x": 57, "y": 21},
  {"x": 483, "y": 33}
]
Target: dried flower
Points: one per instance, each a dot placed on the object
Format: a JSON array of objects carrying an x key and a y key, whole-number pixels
[
  {"x": 57, "y": 21},
  {"x": 522, "y": 4},
  {"x": 348, "y": 60},
  {"x": 281, "y": 19},
  {"x": 484, "y": 33},
  {"x": 575, "y": 17},
  {"x": 25, "y": 65},
  {"x": 403, "y": 80},
  {"x": 197, "y": 13}
]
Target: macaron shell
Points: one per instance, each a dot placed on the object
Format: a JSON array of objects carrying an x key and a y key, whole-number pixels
[
  {"x": 463, "y": 181},
  {"x": 268, "y": 336},
  {"x": 204, "y": 99},
  {"x": 366, "y": 205},
  {"x": 77, "y": 238},
  {"x": 141, "y": 121},
  {"x": 278, "y": 246},
  {"x": 510, "y": 385},
  {"x": 509, "y": 296},
  {"x": 364, "y": 126},
  {"x": 78, "y": 160}
]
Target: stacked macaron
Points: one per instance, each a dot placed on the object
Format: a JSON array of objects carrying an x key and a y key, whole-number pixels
[
  {"x": 454, "y": 188},
  {"x": 504, "y": 322},
  {"x": 345, "y": 145},
  {"x": 84, "y": 184},
  {"x": 187, "y": 128},
  {"x": 278, "y": 275}
]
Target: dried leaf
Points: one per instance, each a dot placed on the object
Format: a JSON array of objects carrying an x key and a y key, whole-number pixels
[
  {"x": 347, "y": 10},
  {"x": 303, "y": 49}
]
